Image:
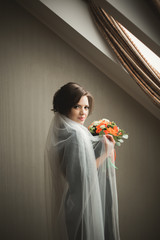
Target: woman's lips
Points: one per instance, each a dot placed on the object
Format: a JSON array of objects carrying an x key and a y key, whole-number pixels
[{"x": 82, "y": 118}]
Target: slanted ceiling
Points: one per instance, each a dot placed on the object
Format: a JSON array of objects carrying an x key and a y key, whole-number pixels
[{"x": 70, "y": 20}]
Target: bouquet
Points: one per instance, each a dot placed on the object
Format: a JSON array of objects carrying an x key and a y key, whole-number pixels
[{"x": 105, "y": 127}]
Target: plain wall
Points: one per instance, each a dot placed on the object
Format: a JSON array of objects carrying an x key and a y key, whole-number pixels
[{"x": 34, "y": 63}]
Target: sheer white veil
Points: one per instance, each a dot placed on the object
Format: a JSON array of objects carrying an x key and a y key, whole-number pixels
[{"x": 81, "y": 200}]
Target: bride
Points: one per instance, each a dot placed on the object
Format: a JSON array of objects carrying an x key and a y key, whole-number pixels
[{"x": 80, "y": 184}]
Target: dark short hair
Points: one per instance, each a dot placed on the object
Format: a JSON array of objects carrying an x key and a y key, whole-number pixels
[{"x": 68, "y": 96}]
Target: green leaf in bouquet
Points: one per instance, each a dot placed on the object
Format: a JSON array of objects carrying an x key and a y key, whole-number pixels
[
  {"x": 96, "y": 123},
  {"x": 110, "y": 125},
  {"x": 103, "y": 127},
  {"x": 120, "y": 140},
  {"x": 121, "y": 131},
  {"x": 92, "y": 131},
  {"x": 125, "y": 136},
  {"x": 113, "y": 124},
  {"x": 101, "y": 133},
  {"x": 118, "y": 144},
  {"x": 115, "y": 138}
]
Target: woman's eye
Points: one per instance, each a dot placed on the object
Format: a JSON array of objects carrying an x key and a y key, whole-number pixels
[{"x": 76, "y": 106}]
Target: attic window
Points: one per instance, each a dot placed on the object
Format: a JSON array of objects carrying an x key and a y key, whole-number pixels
[
  {"x": 151, "y": 58},
  {"x": 128, "y": 50}
]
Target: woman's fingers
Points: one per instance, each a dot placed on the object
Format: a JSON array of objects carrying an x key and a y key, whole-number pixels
[{"x": 110, "y": 138}]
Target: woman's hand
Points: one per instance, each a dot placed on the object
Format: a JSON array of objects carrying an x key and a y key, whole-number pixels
[{"x": 110, "y": 138}]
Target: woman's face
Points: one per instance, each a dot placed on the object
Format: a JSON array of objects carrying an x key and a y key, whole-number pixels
[{"x": 80, "y": 111}]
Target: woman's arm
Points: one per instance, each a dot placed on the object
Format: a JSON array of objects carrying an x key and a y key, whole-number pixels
[{"x": 102, "y": 158}]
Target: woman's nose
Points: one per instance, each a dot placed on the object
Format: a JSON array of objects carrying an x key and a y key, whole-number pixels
[{"x": 82, "y": 110}]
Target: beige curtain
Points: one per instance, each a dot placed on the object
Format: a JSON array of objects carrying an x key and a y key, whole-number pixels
[{"x": 130, "y": 57}]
